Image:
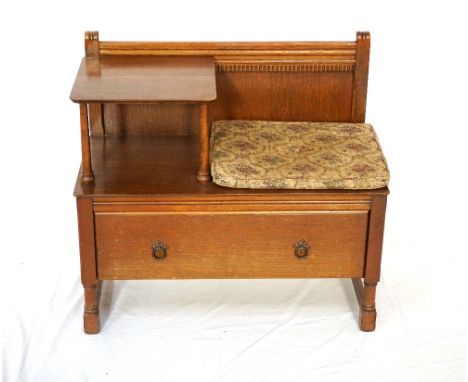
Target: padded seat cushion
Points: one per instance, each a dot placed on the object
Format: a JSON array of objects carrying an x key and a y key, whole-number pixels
[{"x": 296, "y": 155}]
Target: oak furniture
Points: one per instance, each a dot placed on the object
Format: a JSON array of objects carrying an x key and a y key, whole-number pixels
[{"x": 147, "y": 208}]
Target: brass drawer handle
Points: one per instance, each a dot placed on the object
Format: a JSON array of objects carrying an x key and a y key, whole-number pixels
[
  {"x": 301, "y": 249},
  {"x": 159, "y": 250}
]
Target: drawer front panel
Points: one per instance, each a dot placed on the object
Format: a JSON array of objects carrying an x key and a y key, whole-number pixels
[{"x": 230, "y": 245}]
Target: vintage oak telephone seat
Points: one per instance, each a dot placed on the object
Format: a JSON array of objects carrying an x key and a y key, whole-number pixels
[{"x": 228, "y": 160}]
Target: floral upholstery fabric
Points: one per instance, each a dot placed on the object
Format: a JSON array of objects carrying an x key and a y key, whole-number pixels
[{"x": 296, "y": 155}]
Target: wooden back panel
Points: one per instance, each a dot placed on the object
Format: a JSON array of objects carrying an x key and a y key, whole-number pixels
[{"x": 289, "y": 81}]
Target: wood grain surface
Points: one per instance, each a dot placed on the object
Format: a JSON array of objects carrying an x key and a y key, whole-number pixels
[
  {"x": 256, "y": 244},
  {"x": 145, "y": 79}
]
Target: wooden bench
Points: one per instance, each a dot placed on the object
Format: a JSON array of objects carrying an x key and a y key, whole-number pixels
[{"x": 146, "y": 206}]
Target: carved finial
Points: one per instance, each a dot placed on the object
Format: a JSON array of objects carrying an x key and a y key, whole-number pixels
[
  {"x": 92, "y": 44},
  {"x": 363, "y": 36},
  {"x": 93, "y": 35}
]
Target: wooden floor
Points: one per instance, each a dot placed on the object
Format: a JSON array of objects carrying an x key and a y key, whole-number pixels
[{"x": 165, "y": 165}]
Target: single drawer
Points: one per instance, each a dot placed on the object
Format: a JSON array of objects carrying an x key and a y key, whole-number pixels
[{"x": 164, "y": 245}]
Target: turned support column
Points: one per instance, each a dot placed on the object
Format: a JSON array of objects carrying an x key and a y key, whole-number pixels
[
  {"x": 368, "y": 314},
  {"x": 366, "y": 288},
  {"x": 204, "y": 167},
  {"x": 96, "y": 119},
  {"x": 89, "y": 279},
  {"x": 87, "y": 175},
  {"x": 365, "y": 293},
  {"x": 91, "y": 308}
]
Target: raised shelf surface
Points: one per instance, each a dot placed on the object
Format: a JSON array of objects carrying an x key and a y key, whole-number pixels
[
  {"x": 163, "y": 165},
  {"x": 130, "y": 79}
]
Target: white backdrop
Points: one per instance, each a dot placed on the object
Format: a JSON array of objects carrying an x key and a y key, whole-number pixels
[{"x": 249, "y": 330}]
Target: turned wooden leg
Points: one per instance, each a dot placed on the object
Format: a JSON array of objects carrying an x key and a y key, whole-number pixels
[
  {"x": 365, "y": 294},
  {"x": 368, "y": 314},
  {"x": 87, "y": 175},
  {"x": 365, "y": 289},
  {"x": 204, "y": 166},
  {"x": 91, "y": 284},
  {"x": 91, "y": 308}
]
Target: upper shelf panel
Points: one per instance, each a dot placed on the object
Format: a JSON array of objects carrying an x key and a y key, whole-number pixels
[{"x": 130, "y": 79}]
